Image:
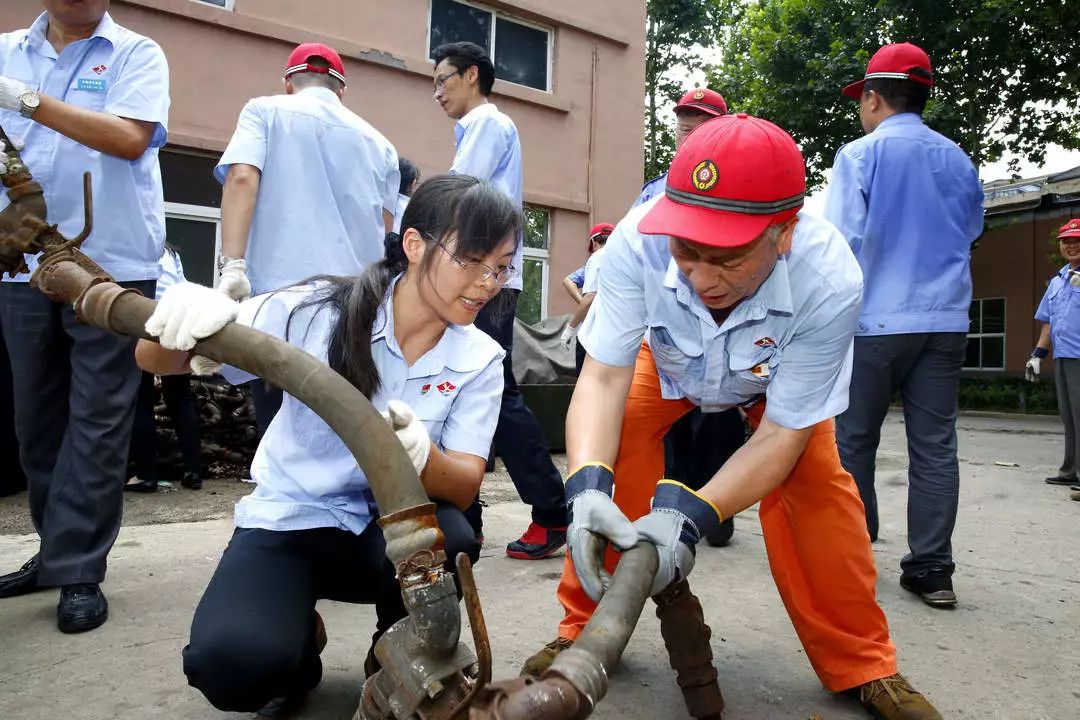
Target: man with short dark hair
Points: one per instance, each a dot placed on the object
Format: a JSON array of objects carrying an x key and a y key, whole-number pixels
[
  {"x": 488, "y": 148},
  {"x": 302, "y": 150},
  {"x": 909, "y": 202},
  {"x": 81, "y": 94}
]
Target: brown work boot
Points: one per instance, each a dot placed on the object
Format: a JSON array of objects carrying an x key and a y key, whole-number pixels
[
  {"x": 538, "y": 664},
  {"x": 893, "y": 698}
]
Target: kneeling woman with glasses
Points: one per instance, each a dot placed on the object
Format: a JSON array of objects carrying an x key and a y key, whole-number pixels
[{"x": 402, "y": 334}]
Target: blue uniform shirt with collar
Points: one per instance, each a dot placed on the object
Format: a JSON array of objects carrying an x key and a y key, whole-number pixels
[
  {"x": 790, "y": 342},
  {"x": 578, "y": 277},
  {"x": 113, "y": 71},
  {"x": 487, "y": 147},
  {"x": 651, "y": 189},
  {"x": 909, "y": 202},
  {"x": 1060, "y": 307},
  {"x": 327, "y": 176},
  {"x": 305, "y": 475}
]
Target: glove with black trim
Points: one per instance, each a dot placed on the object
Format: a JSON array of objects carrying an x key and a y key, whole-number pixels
[
  {"x": 595, "y": 521},
  {"x": 679, "y": 519}
]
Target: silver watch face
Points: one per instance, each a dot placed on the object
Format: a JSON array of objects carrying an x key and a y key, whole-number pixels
[{"x": 30, "y": 101}]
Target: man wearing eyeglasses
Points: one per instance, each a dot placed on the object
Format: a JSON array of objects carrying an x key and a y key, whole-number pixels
[{"x": 487, "y": 147}]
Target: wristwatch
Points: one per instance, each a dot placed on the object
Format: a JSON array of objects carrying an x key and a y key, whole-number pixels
[{"x": 28, "y": 103}]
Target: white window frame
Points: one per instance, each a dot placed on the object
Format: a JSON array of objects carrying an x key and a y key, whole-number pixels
[
  {"x": 541, "y": 255},
  {"x": 981, "y": 335},
  {"x": 229, "y": 4},
  {"x": 495, "y": 15},
  {"x": 199, "y": 213}
]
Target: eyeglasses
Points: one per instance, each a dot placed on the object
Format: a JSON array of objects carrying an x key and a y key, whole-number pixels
[
  {"x": 440, "y": 80},
  {"x": 475, "y": 267}
]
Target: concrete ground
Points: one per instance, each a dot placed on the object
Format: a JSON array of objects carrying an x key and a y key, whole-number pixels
[{"x": 1011, "y": 650}]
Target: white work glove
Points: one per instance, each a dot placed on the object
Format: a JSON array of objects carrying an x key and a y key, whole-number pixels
[
  {"x": 233, "y": 279},
  {"x": 595, "y": 521},
  {"x": 410, "y": 432},
  {"x": 1031, "y": 370},
  {"x": 10, "y": 93},
  {"x": 1074, "y": 278},
  {"x": 567, "y": 337},
  {"x": 188, "y": 313},
  {"x": 679, "y": 519}
]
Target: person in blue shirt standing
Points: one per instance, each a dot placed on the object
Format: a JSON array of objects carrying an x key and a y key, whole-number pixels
[
  {"x": 909, "y": 202},
  {"x": 487, "y": 147},
  {"x": 1059, "y": 312},
  {"x": 402, "y": 333},
  {"x": 302, "y": 149},
  {"x": 694, "y": 107},
  {"x": 80, "y": 94}
]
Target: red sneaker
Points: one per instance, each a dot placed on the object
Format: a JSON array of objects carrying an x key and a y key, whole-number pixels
[{"x": 537, "y": 543}]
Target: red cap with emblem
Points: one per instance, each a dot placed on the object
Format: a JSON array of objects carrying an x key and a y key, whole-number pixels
[
  {"x": 298, "y": 61},
  {"x": 601, "y": 229},
  {"x": 899, "y": 61},
  {"x": 733, "y": 177},
  {"x": 702, "y": 100},
  {"x": 1070, "y": 229}
]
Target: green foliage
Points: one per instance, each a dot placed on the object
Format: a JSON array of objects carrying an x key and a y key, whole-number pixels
[
  {"x": 1008, "y": 394},
  {"x": 1006, "y": 79},
  {"x": 673, "y": 28}
]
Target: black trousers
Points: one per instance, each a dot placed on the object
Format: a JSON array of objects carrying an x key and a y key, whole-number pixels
[
  {"x": 253, "y": 635},
  {"x": 180, "y": 402},
  {"x": 518, "y": 438},
  {"x": 74, "y": 389},
  {"x": 12, "y": 479},
  {"x": 698, "y": 445}
]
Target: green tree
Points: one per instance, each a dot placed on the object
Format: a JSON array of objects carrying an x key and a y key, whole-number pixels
[
  {"x": 1006, "y": 79},
  {"x": 672, "y": 30}
]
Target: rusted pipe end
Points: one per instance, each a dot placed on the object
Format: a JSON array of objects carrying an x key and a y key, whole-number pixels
[
  {"x": 687, "y": 638},
  {"x": 528, "y": 699},
  {"x": 95, "y": 306},
  {"x": 410, "y": 531}
]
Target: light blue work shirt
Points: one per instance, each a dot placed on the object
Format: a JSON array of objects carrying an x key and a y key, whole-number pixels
[
  {"x": 305, "y": 475},
  {"x": 1060, "y": 307},
  {"x": 577, "y": 277},
  {"x": 399, "y": 211},
  {"x": 591, "y": 282},
  {"x": 488, "y": 148},
  {"x": 909, "y": 202},
  {"x": 791, "y": 341},
  {"x": 651, "y": 189},
  {"x": 114, "y": 71},
  {"x": 327, "y": 176},
  {"x": 172, "y": 272}
]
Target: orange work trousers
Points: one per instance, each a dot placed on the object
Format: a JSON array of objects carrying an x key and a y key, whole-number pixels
[{"x": 815, "y": 535}]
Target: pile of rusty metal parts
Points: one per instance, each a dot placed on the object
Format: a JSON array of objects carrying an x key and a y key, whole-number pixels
[{"x": 427, "y": 672}]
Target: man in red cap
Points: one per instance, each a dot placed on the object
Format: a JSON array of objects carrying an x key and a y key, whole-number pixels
[
  {"x": 310, "y": 188},
  {"x": 909, "y": 202},
  {"x": 743, "y": 302},
  {"x": 694, "y": 107},
  {"x": 1059, "y": 312}
]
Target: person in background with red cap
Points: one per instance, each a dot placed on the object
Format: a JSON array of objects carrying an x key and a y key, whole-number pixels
[
  {"x": 744, "y": 302},
  {"x": 597, "y": 239},
  {"x": 310, "y": 188},
  {"x": 909, "y": 202},
  {"x": 694, "y": 107},
  {"x": 1059, "y": 312}
]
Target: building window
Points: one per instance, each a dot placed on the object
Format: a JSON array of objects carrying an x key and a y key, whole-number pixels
[
  {"x": 986, "y": 335},
  {"x": 195, "y": 232},
  {"x": 532, "y": 303},
  {"x": 227, "y": 4},
  {"x": 522, "y": 50}
]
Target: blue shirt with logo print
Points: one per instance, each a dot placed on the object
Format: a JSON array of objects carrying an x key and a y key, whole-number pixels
[{"x": 1060, "y": 307}]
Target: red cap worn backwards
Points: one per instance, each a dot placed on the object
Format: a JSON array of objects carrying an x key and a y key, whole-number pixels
[
  {"x": 1070, "y": 229},
  {"x": 298, "y": 61},
  {"x": 702, "y": 100},
  {"x": 601, "y": 229},
  {"x": 733, "y": 177},
  {"x": 899, "y": 61}
]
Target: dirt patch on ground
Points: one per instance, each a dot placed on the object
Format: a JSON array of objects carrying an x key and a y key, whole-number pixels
[{"x": 216, "y": 500}]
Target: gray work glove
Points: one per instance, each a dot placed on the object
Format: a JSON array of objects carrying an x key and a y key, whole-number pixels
[{"x": 595, "y": 521}]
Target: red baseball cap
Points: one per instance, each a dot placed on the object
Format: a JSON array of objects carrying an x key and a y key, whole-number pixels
[
  {"x": 703, "y": 100},
  {"x": 899, "y": 61},
  {"x": 1070, "y": 229},
  {"x": 733, "y": 177},
  {"x": 298, "y": 61},
  {"x": 601, "y": 229}
]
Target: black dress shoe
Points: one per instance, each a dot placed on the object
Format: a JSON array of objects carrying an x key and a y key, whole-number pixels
[
  {"x": 1058, "y": 480},
  {"x": 22, "y": 581},
  {"x": 935, "y": 588},
  {"x": 722, "y": 535},
  {"x": 141, "y": 486},
  {"x": 82, "y": 607},
  {"x": 192, "y": 481},
  {"x": 289, "y": 705}
]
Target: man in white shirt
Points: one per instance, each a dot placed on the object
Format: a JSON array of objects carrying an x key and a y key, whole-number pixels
[{"x": 310, "y": 188}]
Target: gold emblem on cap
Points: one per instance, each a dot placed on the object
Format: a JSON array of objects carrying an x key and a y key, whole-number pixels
[
  {"x": 699, "y": 95},
  {"x": 705, "y": 175}
]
